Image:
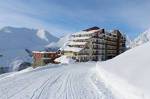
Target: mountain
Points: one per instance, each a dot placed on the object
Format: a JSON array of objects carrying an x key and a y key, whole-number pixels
[
  {"x": 24, "y": 37},
  {"x": 128, "y": 42},
  {"x": 133, "y": 67},
  {"x": 60, "y": 43},
  {"x": 14, "y": 41},
  {"x": 142, "y": 38}
]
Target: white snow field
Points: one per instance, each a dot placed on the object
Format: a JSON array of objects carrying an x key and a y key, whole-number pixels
[
  {"x": 128, "y": 73},
  {"x": 124, "y": 77},
  {"x": 74, "y": 81}
]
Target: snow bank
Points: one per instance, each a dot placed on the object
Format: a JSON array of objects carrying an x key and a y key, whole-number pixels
[
  {"x": 133, "y": 67},
  {"x": 64, "y": 59},
  {"x": 121, "y": 89}
]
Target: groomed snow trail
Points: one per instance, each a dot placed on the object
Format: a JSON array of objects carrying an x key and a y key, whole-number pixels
[{"x": 76, "y": 81}]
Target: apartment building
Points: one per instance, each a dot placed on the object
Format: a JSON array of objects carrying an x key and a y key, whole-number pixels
[{"x": 95, "y": 44}]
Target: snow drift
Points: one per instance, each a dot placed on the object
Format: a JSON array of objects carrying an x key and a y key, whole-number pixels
[{"x": 133, "y": 67}]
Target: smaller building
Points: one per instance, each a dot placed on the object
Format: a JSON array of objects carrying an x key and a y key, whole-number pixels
[{"x": 41, "y": 58}]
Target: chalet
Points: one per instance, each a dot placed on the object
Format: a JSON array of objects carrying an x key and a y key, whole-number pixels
[
  {"x": 41, "y": 58},
  {"x": 95, "y": 44}
]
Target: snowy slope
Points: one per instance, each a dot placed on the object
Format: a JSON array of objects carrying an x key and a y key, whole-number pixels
[
  {"x": 14, "y": 41},
  {"x": 133, "y": 67},
  {"x": 124, "y": 77},
  {"x": 74, "y": 81},
  {"x": 142, "y": 38}
]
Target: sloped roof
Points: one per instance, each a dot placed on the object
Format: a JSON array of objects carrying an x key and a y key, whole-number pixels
[{"x": 92, "y": 28}]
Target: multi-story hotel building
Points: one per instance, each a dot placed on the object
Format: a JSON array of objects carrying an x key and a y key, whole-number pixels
[{"x": 95, "y": 44}]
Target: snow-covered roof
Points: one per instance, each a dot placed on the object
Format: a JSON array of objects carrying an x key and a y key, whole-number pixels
[
  {"x": 85, "y": 32},
  {"x": 76, "y": 43},
  {"x": 73, "y": 49},
  {"x": 42, "y": 52},
  {"x": 79, "y": 38},
  {"x": 64, "y": 59}
]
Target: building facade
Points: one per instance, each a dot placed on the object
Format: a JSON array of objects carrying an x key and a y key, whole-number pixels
[
  {"x": 41, "y": 58},
  {"x": 95, "y": 44}
]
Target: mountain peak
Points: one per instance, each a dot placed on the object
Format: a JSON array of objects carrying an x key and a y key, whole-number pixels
[
  {"x": 15, "y": 40},
  {"x": 142, "y": 38},
  {"x": 41, "y": 33}
]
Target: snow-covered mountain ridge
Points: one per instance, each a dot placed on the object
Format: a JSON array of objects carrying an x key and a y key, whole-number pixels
[
  {"x": 14, "y": 41},
  {"x": 24, "y": 38},
  {"x": 61, "y": 42},
  {"x": 141, "y": 39}
]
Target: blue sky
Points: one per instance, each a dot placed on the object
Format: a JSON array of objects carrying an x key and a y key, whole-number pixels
[{"x": 61, "y": 17}]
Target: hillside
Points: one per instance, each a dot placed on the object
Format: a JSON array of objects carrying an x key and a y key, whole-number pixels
[
  {"x": 14, "y": 41},
  {"x": 133, "y": 67}
]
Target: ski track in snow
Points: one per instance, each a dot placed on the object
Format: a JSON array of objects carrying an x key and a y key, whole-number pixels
[{"x": 64, "y": 82}]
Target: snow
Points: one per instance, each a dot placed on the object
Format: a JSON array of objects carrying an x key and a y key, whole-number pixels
[
  {"x": 124, "y": 77},
  {"x": 14, "y": 41},
  {"x": 43, "y": 52},
  {"x": 41, "y": 34},
  {"x": 15, "y": 64},
  {"x": 85, "y": 32},
  {"x": 65, "y": 60},
  {"x": 75, "y": 81},
  {"x": 81, "y": 33},
  {"x": 128, "y": 42},
  {"x": 73, "y": 49},
  {"x": 142, "y": 38},
  {"x": 132, "y": 68},
  {"x": 120, "y": 87},
  {"x": 60, "y": 43},
  {"x": 76, "y": 43},
  {"x": 79, "y": 38}
]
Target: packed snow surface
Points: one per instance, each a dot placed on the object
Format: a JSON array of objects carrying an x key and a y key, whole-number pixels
[{"x": 74, "y": 81}]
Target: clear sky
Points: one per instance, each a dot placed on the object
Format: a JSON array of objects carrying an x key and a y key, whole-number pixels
[{"x": 61, "y": 17}]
